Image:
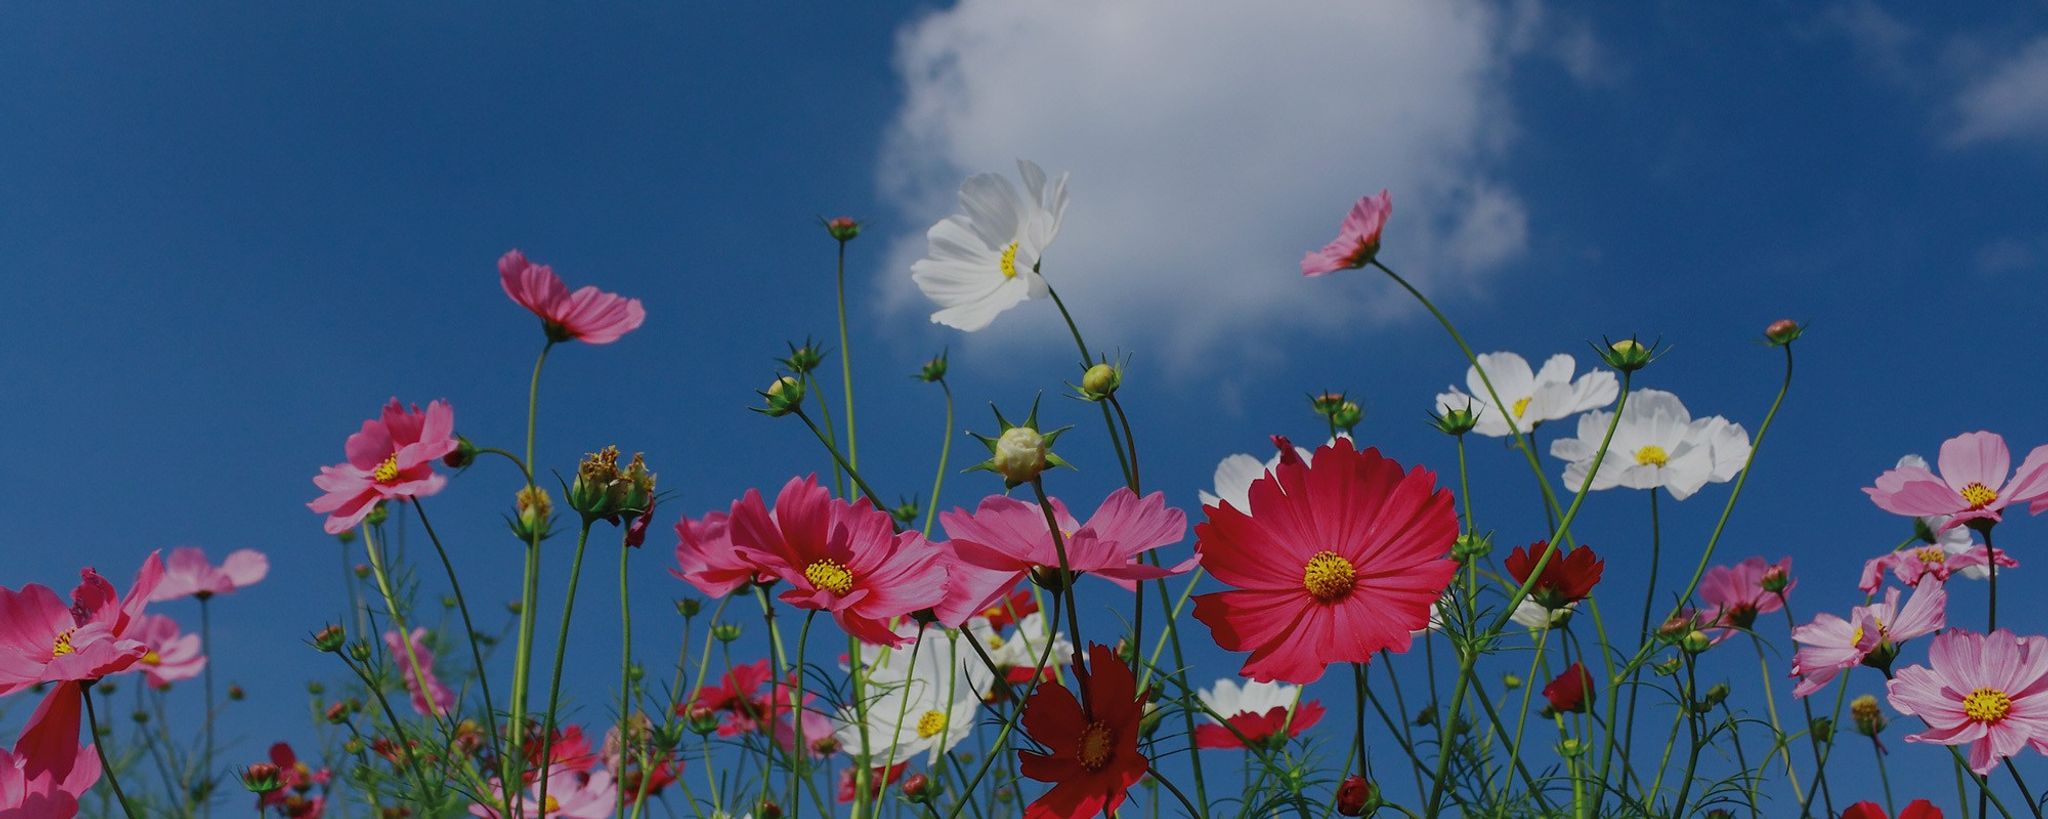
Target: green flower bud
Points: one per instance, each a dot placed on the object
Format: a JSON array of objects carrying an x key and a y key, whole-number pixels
[
  {"x": 725, "y": 632},
  {"x": 933, "y": 370},
  {"x": 330, "y": 639},
  {"x": 1783, "y": 332},
  {"x": 1628, "y": 355},
  {"x": 803, "y": 359},
  {"x": 1101, "y": 381},
  {"x": 1456, "y": 421},
  {"x": 842, "y": 228},
  {"x": 784, "y": 396},
  {"x": 689, "y": 606},
  {"x": 1348, "y": 416}
]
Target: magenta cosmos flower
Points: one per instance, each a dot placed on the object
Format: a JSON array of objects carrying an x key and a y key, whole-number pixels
[
  {"x": 1740, "y": 592},
  {"x": 706, "y": 558},
  {"x": 188, "y": 574},
  {"x": 1358, "y": 238},
  {"x": 1933, "y": 560},
  {"x": 48, "y": 771},
  {"x": 1336, "y": 560},
  {"x": 42, "y": 640},
  {"x": 1005, "y": 539},
  {"x": 587, "y": 315},
  {"x": 169, "y": 656},
  {"x": 1975, "y": 482},
  {"x": 391, "y": 457},
  {"x": 845, "y": 559},
  {"x": 1830, "y": 645},
  {"x": 443, "y": 699},
  {"x": 1988, "y": 691}
]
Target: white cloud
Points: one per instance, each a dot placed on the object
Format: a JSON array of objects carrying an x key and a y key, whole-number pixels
[
  {"x": 1212, "y": 144},
  {"x": 2009, "y": 102}
]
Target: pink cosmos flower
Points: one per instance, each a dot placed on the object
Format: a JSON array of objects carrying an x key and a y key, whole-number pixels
[
  {"x": 1337, "y": 559},
  {"x": 44, "y": 641},
  {"x": 1830, "y": 645},
  {"x": 738, "y": 694},
  {"x": 706, "y": 558},
  {"x": 1988, "y": 691},
  {"x": 1911, "y": 566},
  {"x": 443, "y": 698},
  {"x": 1975, "y": 482},
  {"x": 1006, "y": 538},
  {"x": 188, "y": 574},
  {"x": 392, "y": 456},
  {"x": 841, "y": 558},
  {"x": 571, "y": 795},
  {"x": 47, "y": 772},
  {"x": 1358, "y": 239},
  {"x": 169, "y": 656},
  {"x": 1738, "y": 593},
  {"x": 587, "y": 315}
]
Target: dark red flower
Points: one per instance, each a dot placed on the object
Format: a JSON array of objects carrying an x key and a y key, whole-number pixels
[
  {"x": 1566, "y": 579},
  {"x": 1572, "y": 691},
  {"x": 1091, "y": 755},
  {"x": 1260, "y": 728},
  {"x": 1919, "y": 809},
  {"x": 1354, "y": 794}
]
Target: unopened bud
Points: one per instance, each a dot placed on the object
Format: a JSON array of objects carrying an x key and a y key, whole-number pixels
[
  {"x": 1783, "y": 332},
  {"x": 1867, "y": 715},
  {"x": 260, "y": 778},
  {"x": 1357, "y": 797},
  {"x": 1020, "y": 454},
  {"x": 1101, "y": 381},
  {"x": 919, "y": 788},
  {"x": 1510, "y": 681},
  {"x": 1347, "y": 416},
  {"x": 1456, "y": 421},
  {"x": 725, "y": 632},
  {"x": 689, "y": 606},
  {"x": 462, "y": 456},
  {"x": 933, "y": 370},
  {"x": 1627, "y": 355},
  {"x": 377, "y": 515},
  {"x": 842, "y": 228},
  {"x": 330, "y": 639},
  {"x": 1695, "y": 641},
  {"x": 784, "y": 396}
]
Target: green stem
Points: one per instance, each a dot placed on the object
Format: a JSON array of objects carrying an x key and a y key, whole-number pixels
[
  {"x": 547, "y": 739},
  {"x": 627, "y": 729},
  {"x": 1884, "y": 777},
  {"x": 1088, "y": 360},
  {"x": 1125, "y": 420},
  {"x": 92, "y": 720},
  {"x": 812, "y": 386},
  {"x": 513, "y": 755},
  {"x": 846, "y": 366},
  {"x": 801, "y": 751},
  {"x": 945, "y": 452},
  {"x": 483, "y": 677},
  {"x": 1692, "y": 725},
  {"x": 1528, "y": 690},
  {"x": 206, "y": 639},
  {"x": 1763, "y": 670},
  {"x": 865, "y": 489},
  {"x": 1643, "y": 634}
]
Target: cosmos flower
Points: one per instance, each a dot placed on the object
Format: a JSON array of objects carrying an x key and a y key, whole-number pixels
[
  {"x": 572, "y": 794},
  {"x": 42, "y": 640},
  {"x": 1334, "y": 561},
  {"x": 1018, "y": 654},
  {"x": 1934, "y": 560},
  {"x": 1567, "y": 577},
  {"x": 170, "y": 656},
  {"x": 296, "y": 781},
  {"x": 1740, "y": 592},
  {"x": 47, "y": 772},
  {"x": 1976, "y": 482},
  {"x": 1987, "y": 691},
  {"x": 1358, "y": 238},
  {"x": 841, "y": 558},
  {"x": 1917, "y": 809},
  {"x": 1092, "y": 757},
  {"x": 1004, "y": 539},
  {"x": 443, "y": 698},
  {"x": 1258, "y": 710},
  {"x": 188, "y": 574},
  {"x": 706, "y": 558},
  {"x": 391, "y": 457},
  {"x": 914, "y": 709},
  {"x": 738, "y": 695},
  {"x": 587, "y": 315},
  {"x": 1235, "y": 474},
  {"x": 1830, "y": 645},
  {"x": 635, "y": 753},
  {"x": 984, "y": 260},
  {"x": 1532, "y": 397},
  {"x": 1657, "y": 445},
  {"x": 1571, "y": 691}
]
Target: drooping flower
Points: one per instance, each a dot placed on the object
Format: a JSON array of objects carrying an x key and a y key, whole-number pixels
[
  {"x": 1334, "y": 560},
  {"x": 1571, "y": 691},
  {"x": 1566, "y": 578},
  {"x": 168, "y": 656},
  {"x": 48, "y": 772},
  {"x": 1988, "y": 691},
  {"x": 587, "y": 315},
  {"x": 1917, "y": 809},
  {"x": 841, "y": 558},
  {"x": 985, "y": 260},
  {"x": 1358, "y": 238},
  {"x": 1263, "y": 712},
  {"x": 707, "y": 559},
  {"x": 1830, "y": 645},
  {"x": 1738, "y": 593},
  {"x": 1657, "y": 445},
  {"x": 1976, "y": 482},
  {"x": 42, "y": 640},
  {"x": 1092, "y": 755},
  {"x": 1531, "y": 397},
  {"x": 442, "y": 697},
  {"x": 571, "y": 795},
  {"x": 391, "y": 458},
  {"x": 188, "y": 574},
  {"x": 1004, "y": 539}
]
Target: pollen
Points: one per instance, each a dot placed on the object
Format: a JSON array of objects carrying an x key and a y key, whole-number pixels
[
  {"x": 1987, "y": 705},
  {"x": 1009, "y": 261},
  {"x": 830, "y": 575},
  {"x": 1931, "y": 554},
  {"x": 387, "y": 471},
  {"x": 1328, "y": 576},
  {"x": 931, "y": 724},
  {"x": 151, "y": 658},
  {"x": 1098, "y": 742},
  {"x": 1856, "y": 637},
  {"x": 1522, "y": 405},
  {"x": 1652, "y": 455},
  {"x": 1978, "y": 495},
  {"x": 62, "y": 646},
  {"x": 552, "y": 806}
]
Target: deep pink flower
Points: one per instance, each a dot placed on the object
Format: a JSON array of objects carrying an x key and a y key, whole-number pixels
[
  {"x": 1988, "y": 691},
  {"x": 587, "y": 315},
  {"x": 169, "y": 655},
  {"x": 1258, "y": 712},
  {"x": 878, "y": 779},
  {"x": 1975, "y": 482},
  {"x": 392, "y": 456},
  {"x": 738, "y": 694},
  {"x": 841, "y": 558},
  {"x": 1911, "y": 566},
  {"x": 1571, "y": 691},
  {"x": 44, "y": 641},
  {"x": 1358, "y": 238},
  {"x": 706, "y": 558},
  {"x": 1830, "y": 645},
  {"x": 443, "y": 699},
  {"x": 1337, "y": 559},
  {"x": 296, "y": 781},
  {"x": 1738, "y": 593},
  {"x": 48, "y": 771},
  {"x": 1006, "y": 538},
  {"x": 1917, "y": 809},
  {"x": 188, "y": 574}
]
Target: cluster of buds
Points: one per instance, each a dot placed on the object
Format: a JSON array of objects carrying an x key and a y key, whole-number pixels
[
  {"x": 1020, "y": 452},
  {"x": 1628, "y": 355},
  {"x": 603, "y": 491},
  {"x": 784, "y": 396},
  {"x": 1344, "y": 413},
  {"x": 1867, "y": 715}
]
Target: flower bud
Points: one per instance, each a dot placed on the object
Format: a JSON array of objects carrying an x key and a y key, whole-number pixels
[
  {"x": 1456, "y": 421},
  {"x": 1776, "y": 579},
  {"x": 725, "y": 632},
  {"x": 260, "y": 778},
  {"x": 919, "y": 788},
  {"x": 1510, "y": 681},
  {"x": 1695, "y": 641},
  {"x": 1101, "y": 381},
  {"x": 1628, "y": 355},
  {"x": 702, "y": 719},
  {"x": 362, "y": 570},
  {"x": 784, "y": 396},
  {"x": 1716, "y": 694},
  {"x": 236, "y": 694},
  {"x": 1348, "y": 415},
  {"x": 803, "y": 359},
  {"x": 463, "y": 455},
  {"x": 689, "y": 606},
  {"x": 346, "y": 536},
  {"x": 1868, "y": 715},
  {"x": 1326, "y": 404},
  {"x": 933, "y": 370},
  {"x": 316, "y": 688},
  {"x": 768, "y": 810},
  {"x": 843, "y": 228},
  {"x": 1358, "y": 797},
  {"x": 1469, "y": 547},
  {"x": 1822, "y": 729},
  {"x": 1425, "y": 716},
  {"x": 1049, "y": 578},
  {"x": 1666, "y": 668},
  {"x": 377, "y": 515},
  {"x": 330, "y": 639},
  {"x": 352, "y": 746},
  {"x": 140, "y": 716},
  {"x": 1020, "y": 454},
  {"x": 1783, "y": 332},
  {"x": 533, "y": 512},
  {"x": 905, "y": 513},
  {"x": 337, "y": 713},
  {"x": 1570, "y": 748},
  {"x": 359, "y": 651}
]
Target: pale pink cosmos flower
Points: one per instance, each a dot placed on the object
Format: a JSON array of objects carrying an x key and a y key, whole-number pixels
[
  {"x": 1988, "y": 691},
  {"x": 1004, "y": 539},
  {"x": 48, "y": 771},
  {"x": 706, "y": 558},
  {"x": 171, "y": 656},
  {"x": 1358, "y": 238},
  {"x": 187, "y": 573},
  {"x": 1737, "y": 593},
  {"x": 1933, "y": 560},
  {"x": 571, "y": 795},
  {"x": 1830, "y": 645},
  {"x": 843, "y": 558},
  {"x": 443, "y": 699},
  {"x": 1976, "y": 482},
  {"x": 42, "y": 640},
  {"x": 391, "y": 457},
  {"x": 587, "y": 315}
]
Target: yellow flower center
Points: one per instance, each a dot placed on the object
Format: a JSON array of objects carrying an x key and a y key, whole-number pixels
[
  {"x": 1328, "y": 576},
  {"x": 1987, "y": 705},
  {"x": 994, "y": 641},
  {"x": 1931, "y": 554},
  {"x": 1652, "y": 455},
  {"x": 1009, "y": 261},
  {"x": 1978, "y": 495},
  {"x": 151, "y": 658},
  {"x": 1522, "y": 405},
  {"x": 387, "y": 471},
  {"x": 553, "y": 805},
  {"x": 63, "y": 644},
  {"x": 1098, "y": 741},
  {"x": 931, "y": 724},
  {"x": 1856, "y": 636},
  {"x": 830, "y": 575}
]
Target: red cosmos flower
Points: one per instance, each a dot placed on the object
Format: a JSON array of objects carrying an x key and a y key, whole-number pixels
[
  {"x": 1010, "y": 609},
  {"x": 1572, "y": 691},
  {"x": 1337, "y": 558},
  {"x": 587, "y": 315},
  {"x": 1919, "y": 809},
  {"x": 47, "y": 772},
  {"x": 570, "y": 751},
  {"x": 1566, "y": 579},
  {"x": 392, "y": 456},
  {"x": 842, "y": 558},
  {"x": 1092, "y": 754}
]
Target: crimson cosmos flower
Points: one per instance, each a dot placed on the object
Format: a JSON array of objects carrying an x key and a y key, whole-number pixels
[
  {"x": 1571, "y": 692},
  {"x": 1092, "y": 755},
  {"x": 1566, "y": 579}
]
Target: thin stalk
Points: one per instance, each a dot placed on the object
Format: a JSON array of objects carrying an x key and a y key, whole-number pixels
[
  {"x": 1628, "y": 727},
  {"x": 1528, "y": 690},
  {"x": 626, "y": 699},
  {"x": 865, "y": 489},
  {"x": 1692, "y": 724},
  {"x": 1884, "y": 777},
  {"x": 547, "y": 739},
  {"x": 1088, "y": 360},
  {"x": 945, "y": 452},
  {"x": 812, "y": 386},
  {"x": 846, "y": 366},
  {"x": 513, "y": 755},
  {"x": 476, "y": 655},
  {"x": 988, "y": 759},
  {"x": 92, "y": 720},
  {"x": 1125, "y": 420},
  {"x": 2033, "y": 802},
  {"x": 206, "y": 639},
  {"x": 796, "y": 712},
  {"x": 1763, "y": 670}
]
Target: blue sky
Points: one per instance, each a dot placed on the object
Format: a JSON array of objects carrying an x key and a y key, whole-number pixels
[{"x": 234, "y": 232}]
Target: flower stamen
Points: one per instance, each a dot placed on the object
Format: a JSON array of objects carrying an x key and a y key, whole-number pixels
[
  {"x": 1328, "y": 577},
  {"x": 1009, "y": 261},
  {"x": 1098, "y": 741},
  {"x": 829, "y": 575},
  {"x": 931, "y": 724},
  {"x": 1522, "y": 405},
  {"x": 1987, "y": 705},
  {"x": 387, "y": 471},
  {"x": 1978, "y": 495},
  {"x": 1652, "y": 455},
  {"x": 62, "y": 646}
]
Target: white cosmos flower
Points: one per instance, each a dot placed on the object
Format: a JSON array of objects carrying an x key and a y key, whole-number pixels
[
  {"x": 916, "y": 706},
  {"x": 1024, "y": 645},
  {"x": 1436, "y": 616},
  {"x": 1532, "y": 398},
  {"x": 1236, "y": 474},
  {"x": 1657, "y": 445},
  {"x": 985, "y": 260},
  {"x": 1532, "y": 615},
  {"x": 1228, "y": 698}
]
